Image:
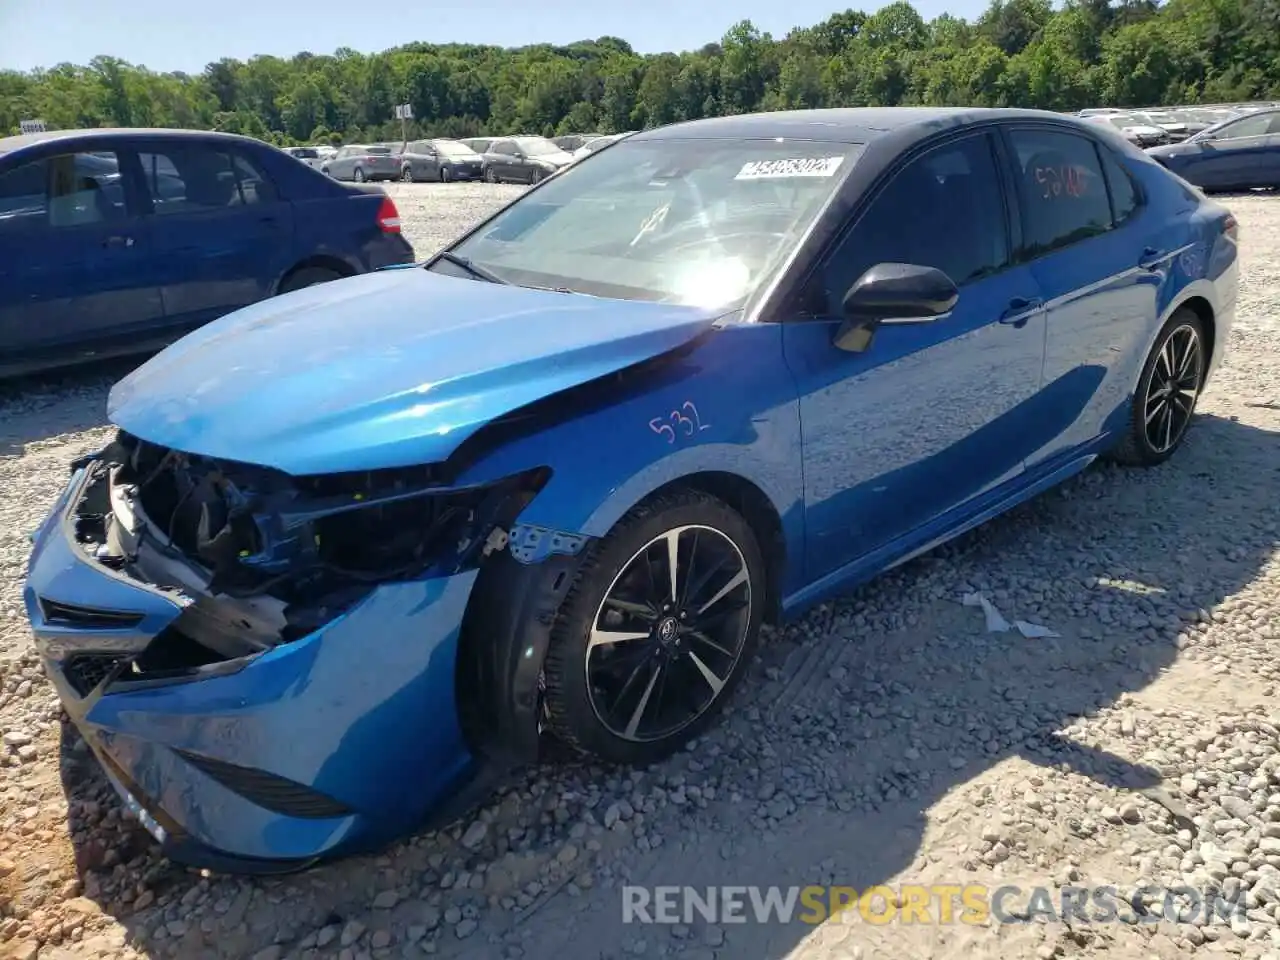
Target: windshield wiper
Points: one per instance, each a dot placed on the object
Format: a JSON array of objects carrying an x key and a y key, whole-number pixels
[{"x": 477, "y": 271}]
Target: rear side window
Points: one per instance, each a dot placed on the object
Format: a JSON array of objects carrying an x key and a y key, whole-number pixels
[
  {"x": 944, "y": 209},
  {"x": 1064, "y": 194},
  {"x": 195, "y": 178},
  {"x": 68, "y": 190},
  {"x": 1124, "y": 192}
]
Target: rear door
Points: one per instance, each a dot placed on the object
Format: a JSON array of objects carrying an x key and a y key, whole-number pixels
[
  {"x": 75, "y": 252},
  {"x": 221, "y": 233},
  {"x": 1098, "y": 254}
]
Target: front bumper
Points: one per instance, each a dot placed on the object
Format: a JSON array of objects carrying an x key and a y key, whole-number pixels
[{"x": 328, "y": 745}]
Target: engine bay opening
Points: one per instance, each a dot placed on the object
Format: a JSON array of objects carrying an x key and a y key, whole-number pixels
[{"x": 260, "y": 557}]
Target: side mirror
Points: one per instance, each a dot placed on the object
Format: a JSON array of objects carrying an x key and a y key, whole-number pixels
[{"x": 893, "y": 293}]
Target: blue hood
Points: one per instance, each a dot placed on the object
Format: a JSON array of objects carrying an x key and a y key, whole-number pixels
[{"x": 382, "y": 370}]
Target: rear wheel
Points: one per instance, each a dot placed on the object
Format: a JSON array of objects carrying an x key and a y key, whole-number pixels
[
  {"x": 308, "y": 277},
  {"x": 1168, "y": 390},
  {"x": 406, "y": 175},
  {"x": 359, "y": 175},
  {"x": 657, "y": 629}
]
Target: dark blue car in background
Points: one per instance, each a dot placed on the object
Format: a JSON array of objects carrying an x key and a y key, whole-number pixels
[
  {"x": 1237, "y": 154},
  {"x": 117, "y": 242}
]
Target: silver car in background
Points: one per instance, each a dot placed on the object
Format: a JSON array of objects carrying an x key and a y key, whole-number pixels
[
  {"x": 526, "y": 159},
  {"x": 308, "y": 155},
  {"x": 439, "y": 160},
  {"x": 362, "y": 162}
]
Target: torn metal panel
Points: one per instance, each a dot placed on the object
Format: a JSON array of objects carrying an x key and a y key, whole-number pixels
[{"x": 530, "y": 543}]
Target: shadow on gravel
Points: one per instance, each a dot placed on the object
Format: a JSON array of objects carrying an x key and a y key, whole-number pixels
[
  {"x": 838, "y": 747},
  {"x": 40, "y": 406}
]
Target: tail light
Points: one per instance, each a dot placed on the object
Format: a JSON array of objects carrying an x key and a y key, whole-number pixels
[
  {"x": 388, "y": 216},
  {"x": 1231, "y": 227}
]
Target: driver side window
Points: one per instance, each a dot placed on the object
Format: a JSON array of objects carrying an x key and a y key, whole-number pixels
[
  {"x": 1248, "y": 127},
  {"x": 944, "y": 209}
]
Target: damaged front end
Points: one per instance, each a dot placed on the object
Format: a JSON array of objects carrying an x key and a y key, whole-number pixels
[
  {"x": 275, "y": 669},
  {"x": 257, "y": 558}
]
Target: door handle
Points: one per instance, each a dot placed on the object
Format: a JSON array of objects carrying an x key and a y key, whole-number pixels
[
  {"x": 116, "y": 242},
  {"x": 1151, "y": 258},
  {"x": 1020, "y": 310}
]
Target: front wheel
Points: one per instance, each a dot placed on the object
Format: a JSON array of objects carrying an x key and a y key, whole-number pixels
[
  {"x": 406, "y": 175},
  {"x": 1165, "y": 401},
  {"x": 445, "y": 176},
  {"x": 490, "y": 176},
  {"x": 657, "y": 629},
  {"x": 359, "y": 175}
]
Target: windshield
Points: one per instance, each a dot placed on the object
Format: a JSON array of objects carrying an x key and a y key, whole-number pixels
[
  {"x": 537, "y": 146},
  {"x": 451, "y": 148},
  {"x": 696, "y": 222}
]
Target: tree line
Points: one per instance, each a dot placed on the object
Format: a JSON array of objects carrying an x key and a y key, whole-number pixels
[{"x": 1019, "y": 53}]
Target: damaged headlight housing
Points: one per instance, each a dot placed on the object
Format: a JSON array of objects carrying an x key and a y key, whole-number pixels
[{"x": 316, "y": 544}]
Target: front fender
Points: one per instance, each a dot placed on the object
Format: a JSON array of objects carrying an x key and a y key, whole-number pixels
[{"x": 728, "y": 406}]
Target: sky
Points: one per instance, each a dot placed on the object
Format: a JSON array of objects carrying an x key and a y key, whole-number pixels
[{"x": 164, "y": 35}]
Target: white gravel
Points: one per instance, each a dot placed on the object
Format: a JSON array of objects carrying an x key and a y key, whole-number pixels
[{"x": 886, "y": 739}]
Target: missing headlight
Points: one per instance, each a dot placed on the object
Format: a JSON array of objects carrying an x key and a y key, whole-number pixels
[{"x": 316, "y": 544}]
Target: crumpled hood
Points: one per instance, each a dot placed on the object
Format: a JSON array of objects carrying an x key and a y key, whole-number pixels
[{"x": 386, "y": 369}]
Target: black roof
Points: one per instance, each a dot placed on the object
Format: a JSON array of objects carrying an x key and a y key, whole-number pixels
[
  {"x": 837, "y": 125},
  {"x": 9, "y": 144}
]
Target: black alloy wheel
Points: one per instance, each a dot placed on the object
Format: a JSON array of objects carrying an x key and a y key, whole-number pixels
[
  {"x": 1164, "y": 404},
  {"x": 657, "y": 631}
]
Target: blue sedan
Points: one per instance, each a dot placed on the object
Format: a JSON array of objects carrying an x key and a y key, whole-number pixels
[
  {"x": 1237, "y": 154},
  {"x": 358, "y": 551},
  {"x": 118, "y": 242}
]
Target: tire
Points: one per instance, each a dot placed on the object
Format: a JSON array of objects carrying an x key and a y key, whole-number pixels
[
  {"x": 490, "y": 176},
  {"x": 534, "y": 176},
  {"x": 587, "y": 713},
  {"x": 406, "y": 175},
  {"x": 445, "y": 176},
  {"x": 308, "y": 277},
  {"x": 358, "y": 176},
  {"x": 325, "y": 171},
  {"x": 1146, "y": 445}
]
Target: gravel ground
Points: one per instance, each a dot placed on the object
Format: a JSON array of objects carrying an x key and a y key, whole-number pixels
[{"x": 886, "y": 739}]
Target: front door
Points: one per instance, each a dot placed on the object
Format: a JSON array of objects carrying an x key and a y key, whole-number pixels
[
  {"x": 928, "y": 416},
  {"x": 222, "y": 233},
  {"x": 76, "y": 255}
]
